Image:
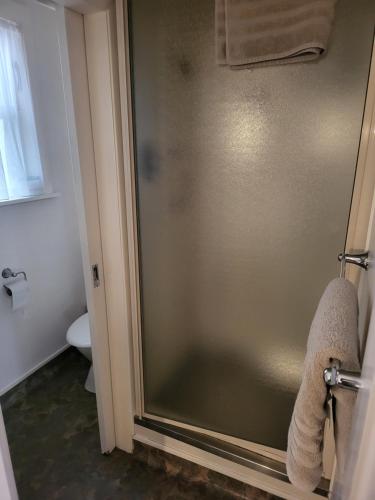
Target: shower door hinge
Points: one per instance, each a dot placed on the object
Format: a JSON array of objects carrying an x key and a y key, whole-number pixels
[{"x": 95, "y": 275}]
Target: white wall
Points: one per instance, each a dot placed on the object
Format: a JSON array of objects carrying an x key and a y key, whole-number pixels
[{"x": 41, "y": 237}]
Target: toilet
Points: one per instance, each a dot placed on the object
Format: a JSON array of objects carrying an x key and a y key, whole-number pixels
[{"x": 78, "y": 335}]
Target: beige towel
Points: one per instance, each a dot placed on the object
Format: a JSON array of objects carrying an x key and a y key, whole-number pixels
[
  {"x": 333, "y": 334},
  {"x": 264, "y": 32}
]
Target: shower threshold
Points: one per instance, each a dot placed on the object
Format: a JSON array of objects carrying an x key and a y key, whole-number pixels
[{"x": 242, "y": 456}]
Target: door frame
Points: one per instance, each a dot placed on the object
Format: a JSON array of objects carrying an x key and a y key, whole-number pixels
[
  {"x": 90, "y": 77},
  {"x": 73, "y": 63},
  {"x": 356, "y": 238},
  {"x": 93, "y": 108},
  {"x": 102, "y": 66}
]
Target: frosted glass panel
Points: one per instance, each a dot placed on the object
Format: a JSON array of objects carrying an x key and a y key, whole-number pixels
[{"x": 244, "y": 181}]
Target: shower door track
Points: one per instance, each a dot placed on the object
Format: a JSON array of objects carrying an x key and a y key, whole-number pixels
[
  {"x": 259, "y": 449},
  {"x": 254, "y": 461}
]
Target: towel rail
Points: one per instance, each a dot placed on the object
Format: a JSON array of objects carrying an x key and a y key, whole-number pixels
[{"x": 334, "y": 376}]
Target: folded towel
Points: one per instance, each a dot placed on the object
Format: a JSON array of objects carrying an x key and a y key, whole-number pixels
[
  {"x": 263, "y": 32},
  {"x": 333, "y": 335}
]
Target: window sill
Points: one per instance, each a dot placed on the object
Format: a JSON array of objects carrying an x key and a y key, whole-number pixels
[{"x": 15, "y": 201}]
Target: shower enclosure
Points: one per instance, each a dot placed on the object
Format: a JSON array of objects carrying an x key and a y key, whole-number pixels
[{"x": 244, "y": 182}]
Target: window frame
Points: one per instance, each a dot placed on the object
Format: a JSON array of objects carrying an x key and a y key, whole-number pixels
[{"x": 28, "y": 46}]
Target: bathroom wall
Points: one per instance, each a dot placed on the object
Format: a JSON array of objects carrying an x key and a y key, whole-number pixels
[{"x": 41, "y": 237}]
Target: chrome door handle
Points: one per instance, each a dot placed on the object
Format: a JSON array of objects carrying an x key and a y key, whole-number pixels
[{"x": 358, "y": 259}]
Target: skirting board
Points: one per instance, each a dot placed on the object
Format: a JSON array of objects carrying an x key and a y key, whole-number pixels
[
  {"x": 218, "y": 464},
  {"x": 34, "y": 369}
]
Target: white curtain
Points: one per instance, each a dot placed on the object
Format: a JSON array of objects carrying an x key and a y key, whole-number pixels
[{"x": 20, "y": 166}]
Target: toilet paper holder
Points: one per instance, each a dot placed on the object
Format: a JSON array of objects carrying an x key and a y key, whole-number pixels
[
  {"x": 8, "y": 273},
  {"x": 17, "y": 290}
]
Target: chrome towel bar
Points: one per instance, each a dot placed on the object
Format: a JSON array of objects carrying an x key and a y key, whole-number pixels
[{"x": 334, "y": 376}]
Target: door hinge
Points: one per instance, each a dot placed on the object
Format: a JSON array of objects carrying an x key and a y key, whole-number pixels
[{"x": 95, "y": 275}]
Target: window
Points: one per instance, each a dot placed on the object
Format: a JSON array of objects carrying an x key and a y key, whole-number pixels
[{"x": 20, "y": 166}]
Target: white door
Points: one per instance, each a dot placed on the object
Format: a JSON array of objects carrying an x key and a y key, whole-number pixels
[
  {"x": 8, "y": 489},
  {"x": 361, "y": 482}
]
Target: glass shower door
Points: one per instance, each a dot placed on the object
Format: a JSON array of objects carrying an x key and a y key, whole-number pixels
[{"x": 244, "y": 182}]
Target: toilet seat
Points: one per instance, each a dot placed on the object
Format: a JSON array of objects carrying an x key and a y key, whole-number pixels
[{"x": 78, "y": 333}]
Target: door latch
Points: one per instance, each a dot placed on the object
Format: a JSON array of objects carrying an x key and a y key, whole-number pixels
[{"x": 95, "y": 275}]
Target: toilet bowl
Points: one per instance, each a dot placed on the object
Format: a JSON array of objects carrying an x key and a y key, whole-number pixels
[{"x": 78, "y": 335}]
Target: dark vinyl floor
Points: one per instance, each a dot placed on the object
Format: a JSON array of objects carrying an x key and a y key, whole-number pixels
[{"x": 53, "y": 435}]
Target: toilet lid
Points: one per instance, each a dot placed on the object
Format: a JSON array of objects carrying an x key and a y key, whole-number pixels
[{"x": 78, "y": 333}]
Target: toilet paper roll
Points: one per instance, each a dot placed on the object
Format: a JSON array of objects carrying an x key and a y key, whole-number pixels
[{"x": 19, "y": 292}]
